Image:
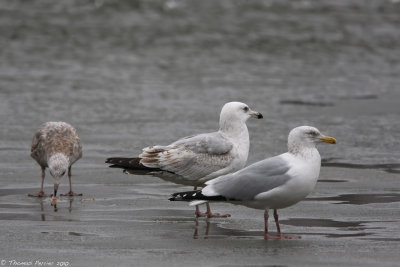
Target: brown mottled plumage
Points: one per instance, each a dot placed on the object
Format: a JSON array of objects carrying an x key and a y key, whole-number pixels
[{"x": 56, "y": 145}]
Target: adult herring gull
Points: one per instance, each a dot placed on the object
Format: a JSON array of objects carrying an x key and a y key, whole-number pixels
[
  {"x": 273, "y": 183},
  {"x": 56, "y": 145},
  {"x": 193, "y": 160}
]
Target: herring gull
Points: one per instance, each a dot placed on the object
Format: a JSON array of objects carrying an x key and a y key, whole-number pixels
[
  {"x": 193, "y": 160},
  {"x": 56, "y": 145},
  {"x": 273, "y": 183}
]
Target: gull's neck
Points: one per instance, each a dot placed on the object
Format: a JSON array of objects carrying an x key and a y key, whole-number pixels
[
  {"x": 305, "y": 151},
  {"x": 234, "y": 129},
  {"x": 237, "y": 132},
  {"x": 239, "y": 135}
]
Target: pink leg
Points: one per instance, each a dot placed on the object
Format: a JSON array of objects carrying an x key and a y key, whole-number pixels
[
  {"x": 278, "y": 228},
  {"x": 198, "y": 213},
  {"x": 214, "y": 215},
  {"x": 276, "y": 217},
  {"x": 208, "y": 213},
  {"x": 266, "y": 235},
  {"x": 41, "y": 193},
  {"x": 70, "y": 193}
]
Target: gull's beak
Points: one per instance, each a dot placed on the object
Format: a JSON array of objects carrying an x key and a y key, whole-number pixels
[
  {"x": 328, "y": 139},
  {"x": 256, "y": 114}
]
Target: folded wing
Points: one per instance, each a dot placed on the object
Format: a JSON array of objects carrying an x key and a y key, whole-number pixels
[
  {"x": 193, "y": 157},
  {"x": 247, "y": 183}
]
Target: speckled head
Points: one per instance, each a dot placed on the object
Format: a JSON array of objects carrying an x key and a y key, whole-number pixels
[
  {"x": 306, "y": 136},
  {"x": 58, "y": 165}
]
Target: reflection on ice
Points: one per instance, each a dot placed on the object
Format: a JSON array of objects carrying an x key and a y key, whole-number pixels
[{"x": 360, "y": 199}]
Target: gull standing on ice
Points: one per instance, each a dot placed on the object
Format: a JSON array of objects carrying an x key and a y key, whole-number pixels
[
  {"x": 273, "y": 183},
  {"x": 193, "y": 160},
  {"x": 56, "y": 145}
]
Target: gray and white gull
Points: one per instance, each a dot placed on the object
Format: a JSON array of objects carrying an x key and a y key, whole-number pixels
[
  {"x": 273, "y": 183},
  {"x": 193, "y": 160}
]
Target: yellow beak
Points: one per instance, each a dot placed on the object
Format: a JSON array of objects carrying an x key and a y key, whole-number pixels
[{"x": 328, "y": 139}]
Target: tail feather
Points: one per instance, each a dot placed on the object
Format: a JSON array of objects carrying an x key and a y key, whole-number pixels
[{"x": 194, "y": 195}]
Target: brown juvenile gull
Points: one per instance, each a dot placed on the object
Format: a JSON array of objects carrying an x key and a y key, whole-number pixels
[
  {"x": 196, "y": 159},
  {"x": 56, "y": 145},
  {"x": 273, "y": 183}
]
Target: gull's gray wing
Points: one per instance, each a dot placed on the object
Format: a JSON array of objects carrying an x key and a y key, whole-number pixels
[
  {"x": 247, "y": 183},
  {"x": 192, "y": 157},
  {"x": 210, "y": 143}
]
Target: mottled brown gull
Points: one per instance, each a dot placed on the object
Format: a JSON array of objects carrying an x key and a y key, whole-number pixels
[
  {"x": 196, "y": 159},
  {"x": 273, "y": 183},
  {"x": 56, "y": 145}
]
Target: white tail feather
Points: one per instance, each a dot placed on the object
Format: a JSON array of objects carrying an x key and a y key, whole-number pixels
[{"x": 197, "y": 202}]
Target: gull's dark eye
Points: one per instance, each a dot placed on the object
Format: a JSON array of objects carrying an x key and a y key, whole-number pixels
[
  {"x": 312, "y": 133},
  {"x": 63, "y": 173},
  {"x": 246, "y": 109}
]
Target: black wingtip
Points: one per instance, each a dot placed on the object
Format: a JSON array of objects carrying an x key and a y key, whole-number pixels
[
  {"x": 186, "y": 196},
  {"x": 194, "y": 195},
  {"x": 111, "y": 160},
  {"x": 113, "y": 166}
]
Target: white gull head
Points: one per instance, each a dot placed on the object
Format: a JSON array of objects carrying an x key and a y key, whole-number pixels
[
  {"x": 235, "y": 114},
  {"x": 303, "y": 138}
]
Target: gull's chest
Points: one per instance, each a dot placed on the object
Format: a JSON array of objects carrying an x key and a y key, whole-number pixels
[
  {"x": 240, "y": 153},
  {"x": 305, "y": 173}
]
